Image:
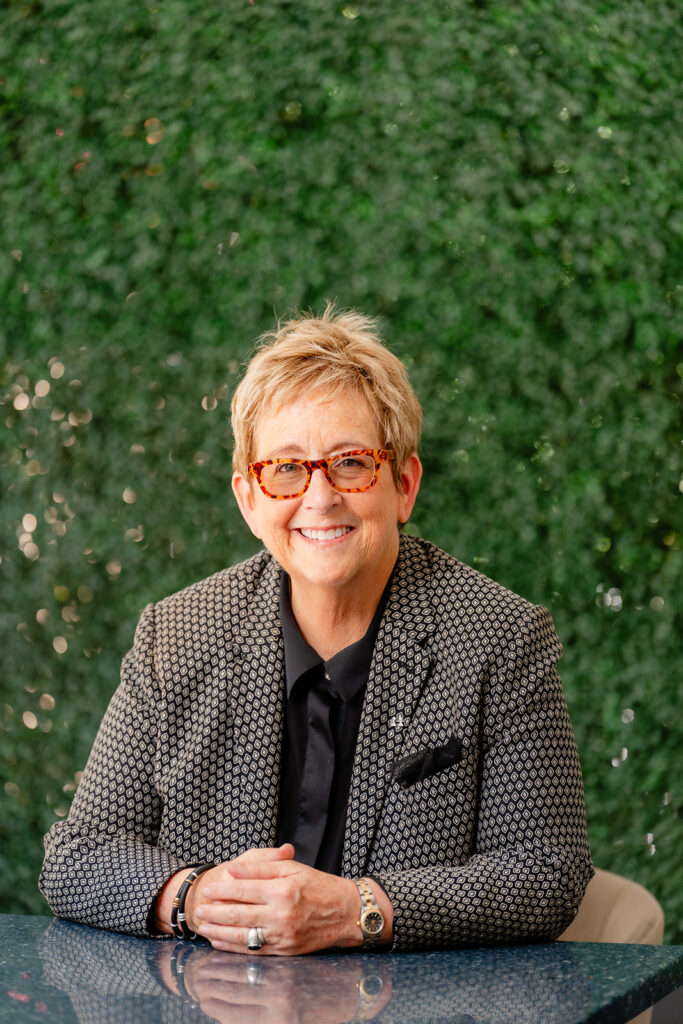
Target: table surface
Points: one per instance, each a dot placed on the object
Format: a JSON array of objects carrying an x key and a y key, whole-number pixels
[{"x": 52, "y": 970}]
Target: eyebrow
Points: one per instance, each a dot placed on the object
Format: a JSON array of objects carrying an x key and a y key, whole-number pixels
[{"x": 298, "y": 453}]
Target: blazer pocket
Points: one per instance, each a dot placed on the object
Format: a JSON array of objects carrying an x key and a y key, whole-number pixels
[{"x": 408, "y": 771}]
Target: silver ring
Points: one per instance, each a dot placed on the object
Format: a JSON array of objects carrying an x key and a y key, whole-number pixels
[
  {"x": 255, "y": 974},
  {"x": 255, "y": 939}
]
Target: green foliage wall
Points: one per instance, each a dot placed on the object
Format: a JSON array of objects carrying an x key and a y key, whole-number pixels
[{"x": 498, "y": 182}]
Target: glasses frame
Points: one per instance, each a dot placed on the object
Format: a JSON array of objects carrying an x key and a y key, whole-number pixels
[{"x": 380, "y": 455}]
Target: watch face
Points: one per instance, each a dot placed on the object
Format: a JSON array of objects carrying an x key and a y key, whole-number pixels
[
  {"x": 371, "y": 985},
  {"x": 373, "y": 922}
]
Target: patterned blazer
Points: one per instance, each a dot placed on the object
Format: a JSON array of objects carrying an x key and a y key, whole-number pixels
[{"x": 186, "y": 764}]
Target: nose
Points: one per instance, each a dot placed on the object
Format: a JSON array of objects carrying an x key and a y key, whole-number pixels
[{"x": 321, "y": 495}]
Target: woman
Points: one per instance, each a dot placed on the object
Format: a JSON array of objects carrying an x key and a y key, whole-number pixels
[{"x": 353, "y": 738}]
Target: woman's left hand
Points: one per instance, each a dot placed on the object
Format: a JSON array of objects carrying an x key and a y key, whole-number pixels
[{"x": 298, "y": 908}]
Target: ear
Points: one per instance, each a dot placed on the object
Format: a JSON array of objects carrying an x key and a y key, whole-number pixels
[
  {"x": 408, "y": 486},
  {"x": 244, "y": 495}
]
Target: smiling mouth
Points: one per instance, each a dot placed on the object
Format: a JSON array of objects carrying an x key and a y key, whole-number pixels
[{"x": 332, "y": 534}]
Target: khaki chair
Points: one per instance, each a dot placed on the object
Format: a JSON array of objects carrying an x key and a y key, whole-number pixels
[{"x": 614, "y": 909}]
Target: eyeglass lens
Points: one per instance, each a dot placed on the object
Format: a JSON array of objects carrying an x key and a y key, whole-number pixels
[{"x": 349, "y": 472}]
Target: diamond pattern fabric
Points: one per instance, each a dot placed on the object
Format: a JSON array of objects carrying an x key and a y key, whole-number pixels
[{"x": 186, "y": 764}]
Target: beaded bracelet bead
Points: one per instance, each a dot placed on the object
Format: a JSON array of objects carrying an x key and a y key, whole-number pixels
[{"x": 178, "y": 923}]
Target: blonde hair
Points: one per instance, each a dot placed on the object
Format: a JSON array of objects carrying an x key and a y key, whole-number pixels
[{"x": 334, "y": 352}]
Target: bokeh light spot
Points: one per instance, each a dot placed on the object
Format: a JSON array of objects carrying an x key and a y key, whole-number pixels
[{"x": 155, "y": 131}]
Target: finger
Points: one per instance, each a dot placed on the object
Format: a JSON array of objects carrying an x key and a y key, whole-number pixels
[
  {"x": 237, "y": 993},
  {"x": 264, "y": 853},
  {"x": 244, "y": 866},
  {"x": 264, "y": 868},
  {"x": 225, "y": 1012},
  {"x": 232, "y": 939},
  {"x": 230, "y": 914},
  {"x": 249, "y": 883},
  {"x": 226, "y": 970},
  {"x": 249, "y": 889}
]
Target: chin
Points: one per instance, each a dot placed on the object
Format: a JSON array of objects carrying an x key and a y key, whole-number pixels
[
  {"x": 319, "y": 575},
  {"x": 321, "y": 579}
]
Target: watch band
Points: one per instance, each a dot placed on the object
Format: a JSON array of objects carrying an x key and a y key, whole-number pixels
[{"x": 371, "y": 921}]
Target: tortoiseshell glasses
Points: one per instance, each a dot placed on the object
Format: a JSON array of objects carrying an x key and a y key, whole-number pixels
[{"x": 348, "y": 472}]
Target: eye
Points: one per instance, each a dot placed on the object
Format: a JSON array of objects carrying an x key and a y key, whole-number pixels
[
  {"x": 285, "y": 468},
  {"x": 353, "y": 461}
]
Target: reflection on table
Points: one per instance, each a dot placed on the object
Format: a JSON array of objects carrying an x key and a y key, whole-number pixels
[{"x": 74, "y": 973}]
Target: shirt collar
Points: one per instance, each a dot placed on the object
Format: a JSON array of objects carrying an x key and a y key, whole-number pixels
[
  {"x": 348, "y": 670},
  {"x": 299, "y": 655}
]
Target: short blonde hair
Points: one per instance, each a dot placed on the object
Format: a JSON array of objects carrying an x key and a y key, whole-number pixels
[{"x": 333, "y": 352}]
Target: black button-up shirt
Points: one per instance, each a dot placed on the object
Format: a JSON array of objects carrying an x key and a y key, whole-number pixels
[{"x": 343, "y": 679}]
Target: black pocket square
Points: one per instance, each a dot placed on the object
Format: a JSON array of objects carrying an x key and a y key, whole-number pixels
[{"x": 409, "y": 770}]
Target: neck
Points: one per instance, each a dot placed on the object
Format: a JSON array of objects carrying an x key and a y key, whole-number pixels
[{"x": 331, "y": 621}]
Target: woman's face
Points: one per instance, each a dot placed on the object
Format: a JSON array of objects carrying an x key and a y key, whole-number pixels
[{"x": 300, "y": 532}]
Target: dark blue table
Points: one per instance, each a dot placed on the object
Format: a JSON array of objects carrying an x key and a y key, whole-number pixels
[{"x": 55, "y": 971}]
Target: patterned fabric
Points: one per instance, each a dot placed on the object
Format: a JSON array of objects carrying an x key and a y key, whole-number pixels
[{"x": 186, "y": 765}]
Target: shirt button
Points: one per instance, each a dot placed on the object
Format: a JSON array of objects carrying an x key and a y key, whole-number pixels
[{"x": 327, "y": 677}]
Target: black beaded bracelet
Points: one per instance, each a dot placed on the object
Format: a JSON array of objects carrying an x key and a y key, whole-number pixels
[
  {"x": 178, "y": 922},
  {"x": 178, "y": 958}
]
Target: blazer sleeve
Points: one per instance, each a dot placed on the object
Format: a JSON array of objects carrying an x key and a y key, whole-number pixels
[
  {"x": 102, "y": 866},
  {"x": 531, "y": 862}
]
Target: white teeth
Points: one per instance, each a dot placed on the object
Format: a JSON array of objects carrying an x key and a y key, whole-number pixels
[{"x": 339, "y": 531}]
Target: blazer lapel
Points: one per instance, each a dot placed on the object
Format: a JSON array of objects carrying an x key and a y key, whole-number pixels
[
  {"x": 400, "y": 666},
  {"x": 257, "y": 702}
]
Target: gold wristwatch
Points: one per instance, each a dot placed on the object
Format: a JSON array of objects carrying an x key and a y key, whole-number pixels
[
  {"x": 369, "y": 990},
  {"x": 371, "y": 921}
]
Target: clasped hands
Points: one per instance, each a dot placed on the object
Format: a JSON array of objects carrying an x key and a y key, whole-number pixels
[{"x": 299, "y": 909}]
